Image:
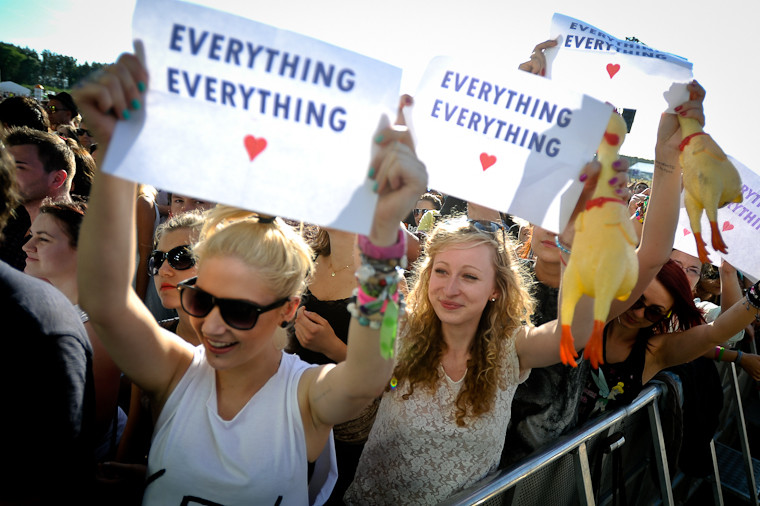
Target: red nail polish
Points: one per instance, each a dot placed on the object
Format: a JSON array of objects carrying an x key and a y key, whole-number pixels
[
  {"x": 679, "y": 108},
  {"x": 583, "y": 177},
  {"x": 682, "y": 113}
]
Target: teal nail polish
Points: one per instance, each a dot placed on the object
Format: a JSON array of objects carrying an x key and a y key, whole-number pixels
[
  {"x": 379, "y": 138},
  {"x": 374, "y": 187},
  {"x": 135, "y": 104},
  {"x": 141, "y": 86},
  {"x": 371, "y": 173},
  {"x": 125, "y": 114}
]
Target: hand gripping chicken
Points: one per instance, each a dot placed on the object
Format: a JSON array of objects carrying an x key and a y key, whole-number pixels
[
  {"x": 603, "y": 264},
  {"x": 710, "y": 182}
]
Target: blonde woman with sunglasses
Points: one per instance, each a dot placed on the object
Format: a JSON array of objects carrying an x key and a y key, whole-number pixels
[{"x": 237, "y": 419}]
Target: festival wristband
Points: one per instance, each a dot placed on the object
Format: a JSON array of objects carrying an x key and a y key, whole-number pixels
[{"x": 395, "y": 251}]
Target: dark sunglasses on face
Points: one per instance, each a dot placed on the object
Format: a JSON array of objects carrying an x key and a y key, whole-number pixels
[
  {"x": 650, "y": 312},
  {"x": 53, "y": 108},
  {"x": 83, "y": 131},
  {"x": 179, "y": 258},
  {"x": 418, "y": 212},
  {"x": 238, "y": 314}
]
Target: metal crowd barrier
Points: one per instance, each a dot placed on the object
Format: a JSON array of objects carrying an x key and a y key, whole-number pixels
[
  {"x": 489, "y": 490},
  {"x": 736, "y": 475}
]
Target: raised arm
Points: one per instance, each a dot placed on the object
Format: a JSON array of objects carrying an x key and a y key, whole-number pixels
[
  {"x": 339, "y": 393},
  {"x": 682, "y": 347},
  {"x": 151, "y": 357},
  {"x": 662, "y": 208}
]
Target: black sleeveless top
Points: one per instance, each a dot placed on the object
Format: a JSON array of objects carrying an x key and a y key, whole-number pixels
[
  {"x": 613, "y": 385},
  {"x": 335, "y": 312}
]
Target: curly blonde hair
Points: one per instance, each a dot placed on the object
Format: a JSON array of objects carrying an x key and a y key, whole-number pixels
[
  {"x": 280, "y": 255},
  {"x": 423, "y": 346}
]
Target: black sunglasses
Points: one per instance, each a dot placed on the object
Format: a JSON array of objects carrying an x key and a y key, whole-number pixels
[
  {"x": 53, "y": 108},
  {"x": 418, "y": 212},
  {"x": 650, "y": 313},
  {"x": 83, "y": 131},
  {"x": 238, "y": 314},
  {"x": 179, "y": 258}
]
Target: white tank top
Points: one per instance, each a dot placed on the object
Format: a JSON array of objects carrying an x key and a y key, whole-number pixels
[{"x": 258, "y": 457}]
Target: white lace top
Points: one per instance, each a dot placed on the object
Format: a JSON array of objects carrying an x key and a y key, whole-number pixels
[{"x": 416, "y": 453}]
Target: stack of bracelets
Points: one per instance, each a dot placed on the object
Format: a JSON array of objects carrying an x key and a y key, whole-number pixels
[
  {"x": 641, "y": 209},
  {"x": 753, "y": 299},
  {"x": 719, "y": 355},
  {"x": 378, "y": 302}
]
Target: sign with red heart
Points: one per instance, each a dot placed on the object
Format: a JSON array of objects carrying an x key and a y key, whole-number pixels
[
  {"x": 626, "y": 73},
  {"x": 287, "y": 109}
]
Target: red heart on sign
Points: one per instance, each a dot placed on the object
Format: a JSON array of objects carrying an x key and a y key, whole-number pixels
[
  {"x": 487, "y": 160},
  {"x": 686, "y": 232},
  {"x": 254, "y": 146},
  {"x": 727, "y": 226},
  {"x": 612, "y": 69}
]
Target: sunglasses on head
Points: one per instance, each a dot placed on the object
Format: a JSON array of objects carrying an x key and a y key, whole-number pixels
[
  {"x": 489, "y": 227},
  {"x": 179, "y": 258},
  {"x": 238, "y": 314},
  {"x": 650, "y": 312}
]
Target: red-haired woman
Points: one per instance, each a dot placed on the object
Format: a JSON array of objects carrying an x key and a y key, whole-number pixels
[{"x": 662, "y": 329}]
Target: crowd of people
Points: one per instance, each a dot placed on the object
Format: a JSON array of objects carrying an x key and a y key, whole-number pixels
[{"x": 186, "y": 352}]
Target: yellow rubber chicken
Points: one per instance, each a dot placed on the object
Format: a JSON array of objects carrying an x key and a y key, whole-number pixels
[
  {"x": 603, "y": 264},
  {"x": 710, "y": 182}
]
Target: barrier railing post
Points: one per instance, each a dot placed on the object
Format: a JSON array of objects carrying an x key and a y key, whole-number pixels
[
  {"x": 716, "y": 487},
  {"x": 660, "y": 456},
  {"x": 741, "y": 427},
  {"x": 583, "y": 476}
]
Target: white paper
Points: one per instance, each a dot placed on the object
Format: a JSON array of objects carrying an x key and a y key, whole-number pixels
[
  {"x": 464, "y": 112},
  {"x": 739, "y": 225},
  {"x": 249, "y": 115},
  {"x": 627, "y": 74}
]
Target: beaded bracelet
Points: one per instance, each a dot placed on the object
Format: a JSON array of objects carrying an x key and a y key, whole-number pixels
[
  {"x": 377, "y": 301},
  {"x": 561, "y": 247},
  {"x": 641, "y": 209}
]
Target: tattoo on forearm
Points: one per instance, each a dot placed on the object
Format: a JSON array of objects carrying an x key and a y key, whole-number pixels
[{"x": 664, "y": 167}]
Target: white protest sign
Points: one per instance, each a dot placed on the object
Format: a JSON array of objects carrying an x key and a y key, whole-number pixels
[
  {"x": 506, "y": 139},
  {"x": 739, "y": 224},
  {"x": 249, "y": 115},
  {"x": 625, "y": 73}
]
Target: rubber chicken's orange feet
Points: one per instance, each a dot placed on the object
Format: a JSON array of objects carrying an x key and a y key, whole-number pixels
[
  {"x": 594, "y": 350},
  {"x": 701, "y": 250},
  {"x": 717, "y": 239},
  {"x": 567, "y": 351}
]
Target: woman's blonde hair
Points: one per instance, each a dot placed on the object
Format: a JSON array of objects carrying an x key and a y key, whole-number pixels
[
  {"x": 423, "y": 346},
  {"x": 192, "y": 220},
  {"x": 281, "y": 256}
]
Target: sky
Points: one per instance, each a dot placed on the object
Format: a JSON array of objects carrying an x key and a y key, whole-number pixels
[{"x": 715, "y": 36}]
